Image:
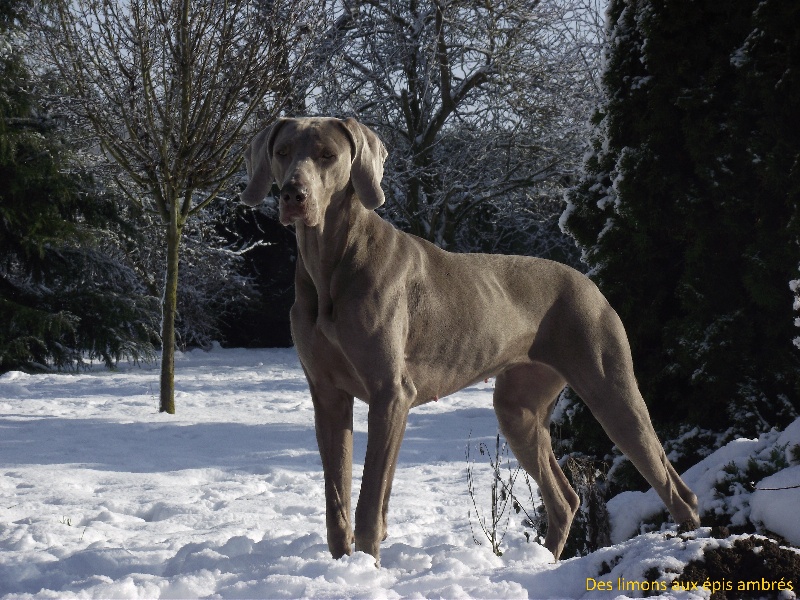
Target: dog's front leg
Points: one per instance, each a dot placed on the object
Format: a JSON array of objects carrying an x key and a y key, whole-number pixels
[
  {"x": 333, "y": 417},
  {"x": 388, "y": 414}
]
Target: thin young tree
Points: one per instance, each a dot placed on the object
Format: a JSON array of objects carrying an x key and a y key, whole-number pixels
[{"x": 170, "y": 88}]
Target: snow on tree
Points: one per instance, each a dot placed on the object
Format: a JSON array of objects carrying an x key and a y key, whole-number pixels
[
  {"x": 482, "y": 105},
  {"x": 687, "y": 212},
  {"x": 171, "y": 90},
  {"x": 66, "y": 292}
]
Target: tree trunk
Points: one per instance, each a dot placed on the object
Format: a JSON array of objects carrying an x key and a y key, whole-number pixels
[{"x": 169, "y": 308}]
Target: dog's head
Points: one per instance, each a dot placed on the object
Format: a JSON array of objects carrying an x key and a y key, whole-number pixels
[{"x": 314, "y": 161}]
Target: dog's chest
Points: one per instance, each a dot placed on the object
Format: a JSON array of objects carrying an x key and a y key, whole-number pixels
[{"x": 323, "y": 354}]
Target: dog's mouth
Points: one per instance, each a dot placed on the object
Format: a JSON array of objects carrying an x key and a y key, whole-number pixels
[
  {"x": 296, "y": 203},
  {"x": 292, "y": 213}
]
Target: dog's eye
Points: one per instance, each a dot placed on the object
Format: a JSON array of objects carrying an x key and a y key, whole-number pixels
[
  {"x": 282, "y": 152},
  {"x": 327, "y": 154}
]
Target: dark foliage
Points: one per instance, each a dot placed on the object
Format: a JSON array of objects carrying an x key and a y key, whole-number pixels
[
  {"x": 751, "y": 567},
  {"x": 263, "y": 321},
  {"x": 64, "y": 293},
  {"x": 688, "y": 210}
]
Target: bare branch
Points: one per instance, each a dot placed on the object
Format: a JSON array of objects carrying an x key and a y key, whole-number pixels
[{"x": 482, "y": 103}]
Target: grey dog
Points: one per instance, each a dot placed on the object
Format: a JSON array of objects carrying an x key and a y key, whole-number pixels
[{"x": 393, "y": 320}]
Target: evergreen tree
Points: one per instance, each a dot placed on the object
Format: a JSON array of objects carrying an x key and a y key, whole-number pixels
[
  {"x": 688, "y": 209},
  {"x": 64, "y": 291}
]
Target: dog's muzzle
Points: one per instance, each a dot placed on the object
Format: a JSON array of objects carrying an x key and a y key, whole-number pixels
[{"x": 293, "y": 203}]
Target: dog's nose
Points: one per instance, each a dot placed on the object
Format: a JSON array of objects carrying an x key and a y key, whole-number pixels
[{"x": 293, "y": 192}]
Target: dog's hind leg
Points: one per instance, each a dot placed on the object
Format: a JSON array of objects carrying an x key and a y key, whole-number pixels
[
  {"x": 523, "y": 400},
  {"x": 600, "y": 370},
  {"x": 621, "y": 410}
]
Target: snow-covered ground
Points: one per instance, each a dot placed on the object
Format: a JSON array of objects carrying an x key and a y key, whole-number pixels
[{"x": 101, "y": 496}]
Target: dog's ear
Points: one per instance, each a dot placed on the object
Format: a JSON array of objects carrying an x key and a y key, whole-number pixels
[
  {"x": 257, "y": 158},
  {"x": 366, "y": 171}
]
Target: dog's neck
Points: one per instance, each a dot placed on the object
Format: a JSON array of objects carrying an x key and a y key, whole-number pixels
[{"x": 323, "y": 246}]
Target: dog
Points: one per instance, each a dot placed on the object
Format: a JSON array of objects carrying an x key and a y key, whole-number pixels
[{"x": 393, "y": 320}]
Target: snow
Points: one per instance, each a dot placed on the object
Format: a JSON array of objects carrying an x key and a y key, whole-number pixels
[
  {"x": 774, "y": 509},
  {"x": 790, "y": 437},
  {"x": 102, "y": 497},
  {"x": 777, "y": 508},
  {"x": 628, "y": 509}
]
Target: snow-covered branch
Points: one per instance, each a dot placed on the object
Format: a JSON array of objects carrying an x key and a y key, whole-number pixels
[{"x": 476, "y": 102}]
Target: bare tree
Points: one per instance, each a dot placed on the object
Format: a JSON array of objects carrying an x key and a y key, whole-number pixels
[
  {"x": 483, "y": 103},
  {"x": 169, "y": 87}
]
